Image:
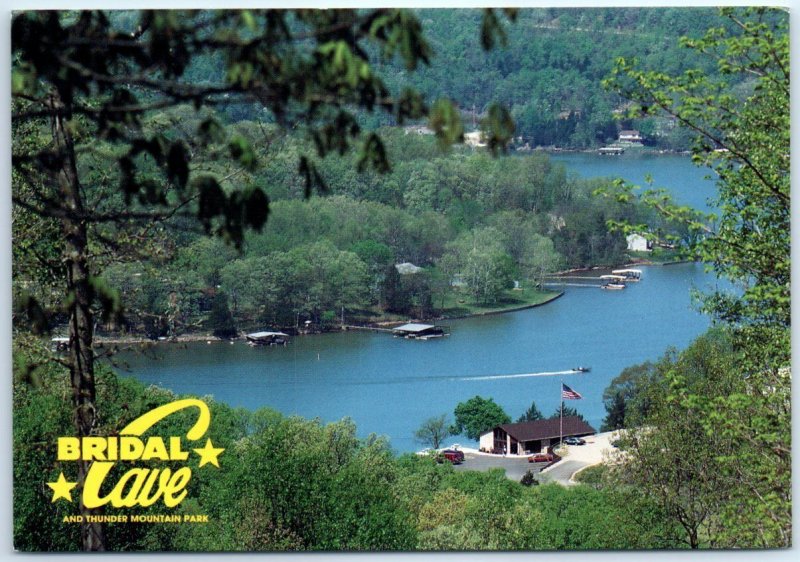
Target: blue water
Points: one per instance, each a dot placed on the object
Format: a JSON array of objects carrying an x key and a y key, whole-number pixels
[
  {"x": 689, "y": 184},
  {"x": 389, "y": 386}
]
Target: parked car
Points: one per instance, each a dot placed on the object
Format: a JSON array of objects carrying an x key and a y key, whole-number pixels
[
  {"x": 453, "y": 455},
  {"x": 574, "y": 441},
  {"x": 542, "y": 457}
]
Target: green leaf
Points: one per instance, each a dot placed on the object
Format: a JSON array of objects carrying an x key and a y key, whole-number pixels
[
  {"x": 37, "y": 318},
  {"x": 210, "y": 131},
  {"x": 211, "y": 200},
  {"x": 110, "y": 299},
  {"x": 242, "y": 151},
  {"x": 498, "y": 128},
  {"x": 445, "y": 120},
  {"x": 374, "y": 154},
  {"x": 178, "y": 164},
  {"x": 256, "y": 208}
]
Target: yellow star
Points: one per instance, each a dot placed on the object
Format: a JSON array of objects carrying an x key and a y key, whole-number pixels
[
  {"x": 61, "y": 488},
  {"x": 209, "y": 454}
]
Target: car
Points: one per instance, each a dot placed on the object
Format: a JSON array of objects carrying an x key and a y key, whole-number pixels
[
  {"x": 453, "y": 455},
  {"x": 542, "y": 457},
  {"x": 574, "y": 441}
]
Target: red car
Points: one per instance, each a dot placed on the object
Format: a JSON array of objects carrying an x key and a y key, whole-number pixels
[
  {"x": 542, "y": 457},
  {"x": 454, "y": 456}
]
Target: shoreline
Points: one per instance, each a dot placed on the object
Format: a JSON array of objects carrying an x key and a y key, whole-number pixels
[
  {"x": 503, "y": 310},
  {"x": 195, "y": 337},
  {"x": 100, "y": 341},
  {"x": 649, "y": 150}
]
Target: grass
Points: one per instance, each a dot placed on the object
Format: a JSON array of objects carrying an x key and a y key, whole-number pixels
[
  {"x": 592, "y": 476},
  {"x": 461, "y": 303},
  {"x": 458, "y": 303},
  {"x": 659, "y": 256}
]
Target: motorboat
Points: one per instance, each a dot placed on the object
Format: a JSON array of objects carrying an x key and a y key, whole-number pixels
[{"x": 613, "y": 282}]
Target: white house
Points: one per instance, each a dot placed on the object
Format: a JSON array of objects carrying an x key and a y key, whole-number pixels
[
  {"x": 475, "y": 138},
  {"x": 407, "y": 268},
  {"x": 638, "y": 243},
  {"x": 630, "y": 136}
]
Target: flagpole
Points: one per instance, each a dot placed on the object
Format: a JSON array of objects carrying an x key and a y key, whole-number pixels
[{"x": 561, "y": 416}]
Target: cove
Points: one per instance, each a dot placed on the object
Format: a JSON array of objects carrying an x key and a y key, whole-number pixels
[{"x": 389, "y": 386}]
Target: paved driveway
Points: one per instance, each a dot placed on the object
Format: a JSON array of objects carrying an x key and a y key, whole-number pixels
[{"x": 561, "y": 472}]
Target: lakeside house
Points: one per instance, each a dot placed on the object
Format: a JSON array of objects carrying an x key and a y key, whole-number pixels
[
  {"x": 474, "y": 139},
  {"x": 638, "y": 243},
  {"x": 418, "y": 130},
  {"x": 407, "y": 268},
  {"x": 631, "y": 136},
  {"x": 533, "y": 437}
]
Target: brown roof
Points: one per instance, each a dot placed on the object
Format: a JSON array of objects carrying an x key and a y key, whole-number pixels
[{"x": 547, "y": 429}]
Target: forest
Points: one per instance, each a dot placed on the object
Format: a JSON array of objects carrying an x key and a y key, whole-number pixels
[
  {"x": 547, "y": 74},
  {"x": 150, "y": 196},
  {"x": 458, "y": 215}
]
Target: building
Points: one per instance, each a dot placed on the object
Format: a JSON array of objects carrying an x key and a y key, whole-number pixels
[
  {"x": 638, "y": 243},
  {"x": 474, "y": 139},
  {"x": 418, "y": 130},
  {"x": 533, "y": 437},
  {"x": 407, "y": 268},
  {"x": 630, "y": 136}
]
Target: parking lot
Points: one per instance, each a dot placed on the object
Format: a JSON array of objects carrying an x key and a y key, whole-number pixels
[
  {"x": 515, "y": 467},
  {"x": 597, "y": 447}
]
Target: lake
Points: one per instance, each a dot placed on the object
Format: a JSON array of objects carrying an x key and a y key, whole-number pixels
[
  {"x": 689, "y": 184},
  {"x": 389, "y": 386}
]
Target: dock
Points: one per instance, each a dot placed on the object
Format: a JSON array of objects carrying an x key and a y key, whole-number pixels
[
  {"x": 611, "y": 150},
  {"x": 368, "y": 328}
]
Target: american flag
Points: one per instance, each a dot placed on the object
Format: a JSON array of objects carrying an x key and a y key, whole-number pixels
[{"x": 568, "y": 394}]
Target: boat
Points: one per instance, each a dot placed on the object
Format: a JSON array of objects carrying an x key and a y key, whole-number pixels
[
  {"x": 60, "y": 343},
  {"x": 632, "y": 275},
  {"x": 581, "y": 369},
  {"x": 613, "y": 282},
  {"x": 267, "y": 338}
]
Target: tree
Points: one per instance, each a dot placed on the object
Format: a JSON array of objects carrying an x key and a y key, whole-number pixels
[
  {"x": 742, "y": 132},
  {"x": 540, "y": 258},
  {"x": 625, "y": 399},
  {"x": 88, "y": 77},
  {"x": 476, "y": 415},
  {"x": 674, "y": 459},
  {"x": 480, "y": 258},
  {"x": 433, "y": 431},
  {"x": 531, "y": 414},
  {"x": 394, "y": 295},
  {"x": 567, "y": 411},
  {"x": 221, "y": 319},
  {"x": 528, "y": 479}
]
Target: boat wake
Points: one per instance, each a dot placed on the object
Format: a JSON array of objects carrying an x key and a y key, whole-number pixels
[
  {"x": 440, "y": 378},
  {"x": 517, "y": 376}
]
